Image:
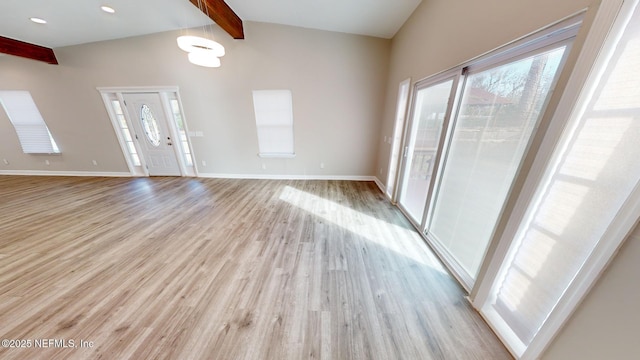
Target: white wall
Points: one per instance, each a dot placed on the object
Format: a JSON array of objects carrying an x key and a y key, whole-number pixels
[
  {"x": 337, "y": 80},
  {"x": 607, "y": 323}
]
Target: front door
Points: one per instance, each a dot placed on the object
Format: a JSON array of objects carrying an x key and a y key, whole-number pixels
[{"x": 152, "y": 133}]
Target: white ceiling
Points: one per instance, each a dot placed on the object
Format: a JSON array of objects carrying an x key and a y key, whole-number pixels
[
  {"x": 380, "y": 18},
  {"x": 71, "y": 22}
]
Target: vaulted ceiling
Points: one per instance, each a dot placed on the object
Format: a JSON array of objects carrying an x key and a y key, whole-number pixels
[{"x": 71, "y": 22}]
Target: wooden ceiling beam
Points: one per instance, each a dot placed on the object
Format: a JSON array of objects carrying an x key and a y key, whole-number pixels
[
  {"x": 27, "y": 50},
  {"x": 223, "y": 15}
]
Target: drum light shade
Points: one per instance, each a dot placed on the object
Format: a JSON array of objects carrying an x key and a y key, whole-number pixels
[
  {"x": 192, "y": 44},
  {"x": 204, "y": 58}
]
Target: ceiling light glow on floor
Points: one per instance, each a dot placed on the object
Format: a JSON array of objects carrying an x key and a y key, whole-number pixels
[
  {"x": 38, "y": 20},
  {"x": 108, "y": 9}
]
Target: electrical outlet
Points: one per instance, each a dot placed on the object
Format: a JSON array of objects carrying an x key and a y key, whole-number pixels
[
  {"x": 321, "y": 165},
  {"x": 46, "y": 162},
  {"x": 5, "y": 161},
  {"x": 204, "y": 163},
  {"x": 95, "y": 163},
  {"x": 264, "y": 166}
]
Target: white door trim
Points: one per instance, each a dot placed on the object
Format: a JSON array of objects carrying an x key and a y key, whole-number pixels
[
  {"x": 138, "y": 89},
  {"x": 166, "y": 94},
  {"x": 399, "y": 128}
]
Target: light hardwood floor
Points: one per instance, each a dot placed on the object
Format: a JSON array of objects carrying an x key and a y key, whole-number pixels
[{"x": 179, "y": 268}]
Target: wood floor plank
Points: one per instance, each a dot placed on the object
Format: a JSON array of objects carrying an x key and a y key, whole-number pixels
[{"x": 184, "y": 268}]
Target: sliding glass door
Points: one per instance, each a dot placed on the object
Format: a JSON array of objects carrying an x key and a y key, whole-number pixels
[
  {"x": 430, "y": 108},
  {"x": 568, "y": 207},
  {"x": 499, "y": 110},
  {"x": 582, "y": 209},
  {"x": 468, "y": 134}
]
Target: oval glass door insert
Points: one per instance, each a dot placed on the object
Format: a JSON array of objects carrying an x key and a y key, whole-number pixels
[{"x": 150, "y": 125}]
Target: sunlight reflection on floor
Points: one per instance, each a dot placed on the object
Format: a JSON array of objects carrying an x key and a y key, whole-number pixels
[{"x": 398, "y": 239}]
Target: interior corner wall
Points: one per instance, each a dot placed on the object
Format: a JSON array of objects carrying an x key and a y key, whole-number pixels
[
  {"x": 338, "y": 82},
  {"x": 441, "y": 34},
  {"x": 607, "y": 323}
]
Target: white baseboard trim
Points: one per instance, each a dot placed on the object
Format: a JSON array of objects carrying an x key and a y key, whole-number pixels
[
  {"x": 287, "y": 177},
  {"x": 202, "y": 175},
  {"x": 380, "y": 184},
  {"x": 64, "y": 173}
]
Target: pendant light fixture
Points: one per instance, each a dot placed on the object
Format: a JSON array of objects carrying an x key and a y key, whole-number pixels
[
  {"x": 204, "y": 58},
  {"x": 202, "y": 51}
]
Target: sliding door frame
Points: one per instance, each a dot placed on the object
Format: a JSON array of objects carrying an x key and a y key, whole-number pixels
[
  {"x": 597, "y": 22},
  {"x": 454, "y": 75},
  {"x": 608, "y": 18},
  {"x": 397, "y": 143},
  {"x": 553, "y": 36}
]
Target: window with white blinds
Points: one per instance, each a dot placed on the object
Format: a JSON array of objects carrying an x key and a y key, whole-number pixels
[
  {"x": 593, "y": 172},
  {"x": 30, "y": 127},
  {"x": 274, "y": 122}
]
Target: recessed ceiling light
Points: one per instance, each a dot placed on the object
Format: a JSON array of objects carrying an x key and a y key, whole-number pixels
[
  {"x": 38, "y": 20},
  {"x": 108, "y": 9}
]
